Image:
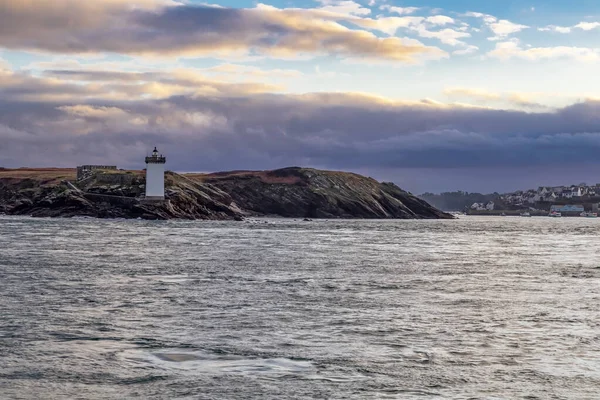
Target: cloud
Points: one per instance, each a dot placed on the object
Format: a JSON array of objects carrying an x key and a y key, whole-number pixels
[
  {"x": 504, "y": 28},
  {"x": 440, "y": 20},
  {"x": 220, "y": 125},
  {"x": 471, "y": 93},
  {"x": 587, "y": 26},
  {"x": 346, "y": 7},
  {"x": 162, "y": 29},
  {"x": 554, "y": 28},
  {"x": 250, "y": 71},
  {"x": 399, "y": 10},
  {"x": 419, "y": 25},
  {"x": 388, "y": 25},
  {"x": 501, "y": 28},
  {"x": 226, "y": 71},
  {"x": 89, "y": 85},
  {"x": 37, "y": 25},
  {"x": 511, "y": 100},
  {"x": 512, "y": 49},
  {"x": 4, "y": 65},
  {"x": 446, "y": 36},
  {"x": 133, "y": 64},
  {"x": 466, "y": 51},
  {"x": 92, "y": 112},
  {"x": 487, "y": 18}
]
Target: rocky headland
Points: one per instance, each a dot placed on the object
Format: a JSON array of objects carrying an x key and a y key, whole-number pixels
[{"x": 289, "y": 192}]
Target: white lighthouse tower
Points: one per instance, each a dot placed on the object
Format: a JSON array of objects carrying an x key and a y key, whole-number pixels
[{"x": 155, "y": 176}]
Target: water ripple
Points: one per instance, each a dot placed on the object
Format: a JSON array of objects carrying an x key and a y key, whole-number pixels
[{"x": 475, "y": 308}]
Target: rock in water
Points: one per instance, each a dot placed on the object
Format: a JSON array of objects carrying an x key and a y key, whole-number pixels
[
  {"x": 41, "y": 193},
  {"x": 310, "y": 193},
  {"x": 289, "y": 192}
]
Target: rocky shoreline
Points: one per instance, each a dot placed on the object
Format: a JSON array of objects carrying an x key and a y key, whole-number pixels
[{"x": 289, "y": 192}]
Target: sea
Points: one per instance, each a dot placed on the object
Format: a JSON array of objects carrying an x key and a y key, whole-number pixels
[{"x": 472, "y": 308}]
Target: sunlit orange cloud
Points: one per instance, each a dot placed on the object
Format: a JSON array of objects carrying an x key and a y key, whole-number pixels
[
  {"x": 70, "y": 85},
  {"x": 231, "y": 80},
  {"x": 167, "y": 29},
  {"x": 531, "y": 101}
]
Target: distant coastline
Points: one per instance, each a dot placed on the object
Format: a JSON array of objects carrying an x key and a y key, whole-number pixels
[{"x": 535, "y": 201}]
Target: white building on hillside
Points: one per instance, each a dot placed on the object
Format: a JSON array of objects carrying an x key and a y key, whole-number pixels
[
  {"x": 574, "y": 191},
  {"x": 482, "y": 206}
]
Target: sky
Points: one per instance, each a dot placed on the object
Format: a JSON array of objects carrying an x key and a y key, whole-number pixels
[{"x": 434, "y": 95}]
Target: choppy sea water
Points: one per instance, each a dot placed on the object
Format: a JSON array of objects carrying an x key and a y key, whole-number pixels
[{"x": 475, "y": 308}]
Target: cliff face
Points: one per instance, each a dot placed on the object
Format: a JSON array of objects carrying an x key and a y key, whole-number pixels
[
  {"x": 112, "y": 195},
  {"x": 310, "y": 193},
  {"x": 289, "y": 192}
]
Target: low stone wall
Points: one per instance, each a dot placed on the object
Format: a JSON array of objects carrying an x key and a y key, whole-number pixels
[
  {"x": 116, "y": 179},
  {"x": 83, "y": 171}
]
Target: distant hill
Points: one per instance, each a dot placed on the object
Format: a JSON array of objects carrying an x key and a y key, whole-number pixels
[{"x": 289, "y": 192}]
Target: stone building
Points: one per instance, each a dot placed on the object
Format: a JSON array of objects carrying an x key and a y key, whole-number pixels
[{"x": 84, "y": 171}]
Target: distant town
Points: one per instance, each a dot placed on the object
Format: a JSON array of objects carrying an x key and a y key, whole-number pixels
[{"x": 569, "y": 200}]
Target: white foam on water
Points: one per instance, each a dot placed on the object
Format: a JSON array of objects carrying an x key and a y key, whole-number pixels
[{"x": 198, "y": 361}]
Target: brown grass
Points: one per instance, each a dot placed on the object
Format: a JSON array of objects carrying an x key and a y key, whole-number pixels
[
  {"x": 46, "y": 176},
  {"x": 264, "y": 176},
  {"x": 118, "y": 171}
]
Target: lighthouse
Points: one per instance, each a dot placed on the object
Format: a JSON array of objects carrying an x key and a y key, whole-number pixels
[{"x": 155, "y": 176}]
